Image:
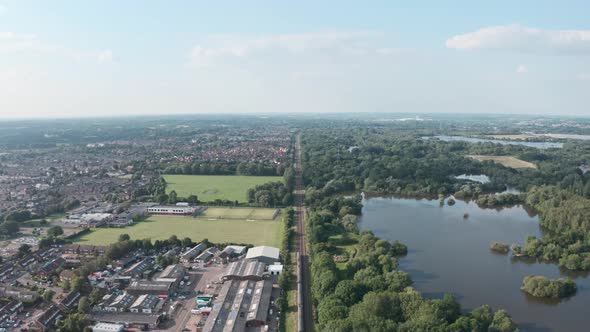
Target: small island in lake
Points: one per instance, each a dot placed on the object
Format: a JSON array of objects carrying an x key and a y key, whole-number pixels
[
  {"x": 502, "y": 248},
  {"x": 539, "y": 286}
]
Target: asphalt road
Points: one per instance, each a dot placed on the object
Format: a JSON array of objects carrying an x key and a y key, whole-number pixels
[{"x": 300, "y": 212}]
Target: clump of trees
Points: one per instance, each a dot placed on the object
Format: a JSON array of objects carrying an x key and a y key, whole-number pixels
[
  {"x": 565, "y": 218},
  {"x": 270, "y": 194},
  {"x": 540, "y": 286},
  {"x": 502, "y": 248},
  {"x": 493, "y": 200}
]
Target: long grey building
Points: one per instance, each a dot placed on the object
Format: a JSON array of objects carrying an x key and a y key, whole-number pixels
[
  {"x": 240, "y": 304},
  {"x": 245, "y": 270}
]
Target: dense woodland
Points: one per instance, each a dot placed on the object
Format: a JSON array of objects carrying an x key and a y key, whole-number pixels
[{"x": 384, "y": 161}]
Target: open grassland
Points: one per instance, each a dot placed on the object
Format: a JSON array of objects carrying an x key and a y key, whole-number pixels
[
  {"x": 162, "y": 227},
  {"x": 239, "y": 213},
  {"x": 211, "y": 187},
  {"x": 345, "y": 246},
  {"x": 507, "y": 161},
  {"x": 511, "y": 137},
  {"x": 291, "y": 315}
]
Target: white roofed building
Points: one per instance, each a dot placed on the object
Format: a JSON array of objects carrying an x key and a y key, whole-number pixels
[{"x": 264, "y": 254}]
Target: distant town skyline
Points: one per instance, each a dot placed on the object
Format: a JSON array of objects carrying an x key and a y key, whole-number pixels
[{"x": 112, "y": 58}]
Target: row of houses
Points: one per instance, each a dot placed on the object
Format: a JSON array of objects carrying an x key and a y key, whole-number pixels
[{"x": 84, "y": 249}]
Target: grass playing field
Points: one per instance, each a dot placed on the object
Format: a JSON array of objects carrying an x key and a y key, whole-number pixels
[
  {"x": 212, "y": 187},
  {"x": 239, "y": 213},
  {"x": 162, "y": 227},
  {"x": 507, "y": 161}
]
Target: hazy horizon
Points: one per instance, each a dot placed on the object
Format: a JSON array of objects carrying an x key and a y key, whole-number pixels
[{"x": 67, "y": 59}]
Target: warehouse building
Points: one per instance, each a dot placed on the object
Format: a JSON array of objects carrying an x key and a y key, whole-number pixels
[
  {"x": 106, "y": 327},
  {"x": 264, "y": 254},
  {"x": 240, "y": 305},
  {"x": 172, "y": 273},
  {"x": 245, "y": 270},
  {"x": 193, "y": 252},
  {"x": 158, "y": 288},
  {"x": 146, "y": 304}
]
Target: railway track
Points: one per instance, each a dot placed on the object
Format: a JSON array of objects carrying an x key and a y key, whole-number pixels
[{"x": 304, "y": 303}]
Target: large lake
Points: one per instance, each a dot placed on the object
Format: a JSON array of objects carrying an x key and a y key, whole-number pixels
[{"x": 450, "y": 254}]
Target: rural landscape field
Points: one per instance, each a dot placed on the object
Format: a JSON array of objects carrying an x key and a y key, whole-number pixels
[
  {"x": 508, "y": 161},
  {"x": 211, "y": 187},
  {"x": 239, "y": 213}
]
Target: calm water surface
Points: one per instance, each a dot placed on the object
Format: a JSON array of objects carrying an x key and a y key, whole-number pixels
[{"x": 450, "y": 254}]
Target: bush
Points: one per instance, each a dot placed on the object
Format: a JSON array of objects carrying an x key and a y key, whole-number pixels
[
  {"x": 540, "y": 286},
  {"x": 502, "y": 248}
]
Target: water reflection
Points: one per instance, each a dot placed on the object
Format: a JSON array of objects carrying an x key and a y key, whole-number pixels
[{"x": 452, "y": 255}]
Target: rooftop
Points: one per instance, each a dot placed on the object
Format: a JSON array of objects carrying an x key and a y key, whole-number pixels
[
  {"x": 238, "y": 303},
  {"x": 263, "y": 251}
]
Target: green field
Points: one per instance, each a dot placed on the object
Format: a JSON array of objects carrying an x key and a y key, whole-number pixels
[
  {"x": 161, "y": 227},
  {"x": 211, "y": 187},
  {"x": 239, "y": 213}
]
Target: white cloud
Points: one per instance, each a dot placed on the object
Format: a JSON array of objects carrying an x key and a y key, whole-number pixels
[
  {"x": 232, "y": 46},
  {"x": 522, "y": 69},
  {"x": 105, "y": 56},
  {"x": 583, "y": 77},
  {"x": 14, "y": 42},
  {"x": 516, "y": 37},
  {"x": 30, "y": 43},
  {"x": 2, "y": 9}
]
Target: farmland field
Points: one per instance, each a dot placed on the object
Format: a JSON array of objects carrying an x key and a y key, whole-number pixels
[
  {"x": 211, "y": 187},
  {"x": 507, "y": 161},
  {"x": 162, "y": 227},
  {"x": 239, "y": 213}
]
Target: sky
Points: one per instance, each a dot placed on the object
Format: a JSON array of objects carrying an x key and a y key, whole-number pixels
[{"x": 111, "y": 57}]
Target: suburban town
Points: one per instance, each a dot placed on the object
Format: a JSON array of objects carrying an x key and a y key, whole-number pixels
[{"x": 59, "y": 270}]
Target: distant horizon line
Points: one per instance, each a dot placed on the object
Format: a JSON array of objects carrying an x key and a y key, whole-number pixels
[{"x": 286, "y": 114}]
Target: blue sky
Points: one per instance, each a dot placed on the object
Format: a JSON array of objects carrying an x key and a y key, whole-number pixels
[{"x": 102, "y": 58}]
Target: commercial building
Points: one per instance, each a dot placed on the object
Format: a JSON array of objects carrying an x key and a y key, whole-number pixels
[
  {"x": 106, "y": 327},
  {"x": 171, "y": 210},
  {"x": 172, "y": 273},
  {"x": 193, "y": 252},
  {"x": 275, "y": 269},
  {"x": 240, "y": 304},
  {"x": 158, "y": 288},
  {"x": 95, "y": 219},
  {"x": 245, "y": 270},
  {"x": 117, "y": 303},
  {"x": 264, "y": 254},
  {"x": 146, "y": 304},
  {"x": 128, "y": 319},
  {"x": 140, "y": 269},
  {"x": 229, "y": 253},
  {"x": 206, "y": 256}
]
